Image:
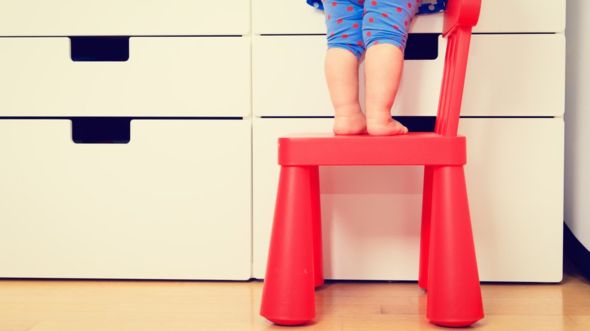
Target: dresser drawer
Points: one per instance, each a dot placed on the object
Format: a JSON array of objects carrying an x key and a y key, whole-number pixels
[
  {"x": 173, "y": 203},
  {"x": 508, "y": 75},
  {"x": 162, "y": 77},
  {"x": 129, "y": 17},
  {"x": 371, "y": 215},
  {"x": 296, "y": 17}
]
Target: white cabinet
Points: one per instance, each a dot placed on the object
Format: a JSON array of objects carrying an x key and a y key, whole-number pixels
[
  {"x": 497, "y": 16},
  {"x": 371, "y": 215},
  {"x": 169, "y": 77},
  {"x": 513, "y": 107},
  {"x": 128, "y": 17},
  {"x": 508, "y": 75},
  {"x": 174, "y": 203}
]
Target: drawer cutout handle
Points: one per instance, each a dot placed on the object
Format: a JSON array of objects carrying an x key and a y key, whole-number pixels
[
  {"x": 418, "y": 123},
  {"x": 422, "y": 46},
  {"x": 101, "y": 130},
  {"x": 99, "y": 49}
]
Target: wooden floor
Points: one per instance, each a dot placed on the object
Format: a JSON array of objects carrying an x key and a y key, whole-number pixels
[{"x": 171, "y": 306}]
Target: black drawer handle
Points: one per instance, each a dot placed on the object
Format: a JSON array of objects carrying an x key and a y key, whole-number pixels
[
  {"x": 418, "y": 123},
  {"x": 101, "y": 130},
  {"x": 422, "y": 46},
  {"x": 99, "y": 49}
]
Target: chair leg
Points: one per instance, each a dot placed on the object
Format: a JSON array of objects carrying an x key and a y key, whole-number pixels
[
  {"x": 425, "y": 231},
  {"x": 316, "y": 214},
  {"x": 288, "y": 294},
  {"x": 454, "y": 295}
]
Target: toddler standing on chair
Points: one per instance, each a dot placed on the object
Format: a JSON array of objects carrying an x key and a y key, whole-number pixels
[{"x": 378, "y": 28}]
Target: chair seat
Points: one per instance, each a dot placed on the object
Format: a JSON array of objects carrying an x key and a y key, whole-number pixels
[{"x": 416, "y": 148}]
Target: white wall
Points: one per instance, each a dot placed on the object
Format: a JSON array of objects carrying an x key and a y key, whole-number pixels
[{"x": 577, "y": 193}]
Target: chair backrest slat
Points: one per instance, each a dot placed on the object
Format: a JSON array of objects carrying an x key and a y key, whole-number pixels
[{"x": 460, "y": 17}]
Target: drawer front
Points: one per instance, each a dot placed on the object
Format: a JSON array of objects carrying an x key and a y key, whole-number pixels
[
  {"x": 129, "y": 17},
  {"x": 371, "y": 215},
  {"x": 507, "y": 75},
  {"x": 163, "y": 77},
  {"x": 174, "y": 203},
  {"x": 295, "y": 17}
]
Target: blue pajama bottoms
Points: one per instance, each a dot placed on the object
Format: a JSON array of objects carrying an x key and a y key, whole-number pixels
[{"x": 356, "y": 25}]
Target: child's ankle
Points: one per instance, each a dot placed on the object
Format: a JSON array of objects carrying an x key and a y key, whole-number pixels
[
  {"x": 379, "y": 116},
  {"x": 348, "y": 111}
]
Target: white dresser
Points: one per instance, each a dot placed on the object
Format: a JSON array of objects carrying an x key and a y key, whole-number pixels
[
  {"x": 512, "y": 116},
  {"x": 193, "y": 108},
  {"x": 174, "y": 202}
]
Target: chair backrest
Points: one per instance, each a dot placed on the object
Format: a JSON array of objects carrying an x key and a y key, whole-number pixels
[{"x": 460, "y": 17}]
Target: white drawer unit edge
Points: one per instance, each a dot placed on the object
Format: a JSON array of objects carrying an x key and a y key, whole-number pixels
[
  {"x": 508, "y": 75},
  {"x": 164, "y": 76},
  {"x": 128, "y": 18},
  {"x": 173, "y": 203},
  {"x": 371, "y": 216},
  {"x": 497, "y": 16}
]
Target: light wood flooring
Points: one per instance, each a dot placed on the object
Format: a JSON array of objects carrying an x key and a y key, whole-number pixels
[{"x": 183, "y": 306}]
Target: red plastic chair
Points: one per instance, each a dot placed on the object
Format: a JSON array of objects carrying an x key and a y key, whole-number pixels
[{"x": 448, "y": 267}]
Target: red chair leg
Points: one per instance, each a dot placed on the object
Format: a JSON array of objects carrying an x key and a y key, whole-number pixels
[
  {"x": 454, "y": 295},
  {"x": 316, "y": 214},
  {"x": 288, "y": 294},
  {"x": 425, "y": 231}
]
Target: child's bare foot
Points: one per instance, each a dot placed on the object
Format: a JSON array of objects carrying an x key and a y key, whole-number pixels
[
  {"x": 385, "y": 127},
  {"x": 350, "y": 124}
]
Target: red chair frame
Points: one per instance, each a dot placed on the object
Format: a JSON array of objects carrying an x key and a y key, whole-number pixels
[{"x": 448, "y": 267}]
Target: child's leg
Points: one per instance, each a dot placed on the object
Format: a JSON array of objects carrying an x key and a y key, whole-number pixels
[
  {"x": 342, "y": 78},
  {"x": 385, "y": 32},
  {"x": 345, "y": 47},
  {"x": 383, "y": 68}
]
